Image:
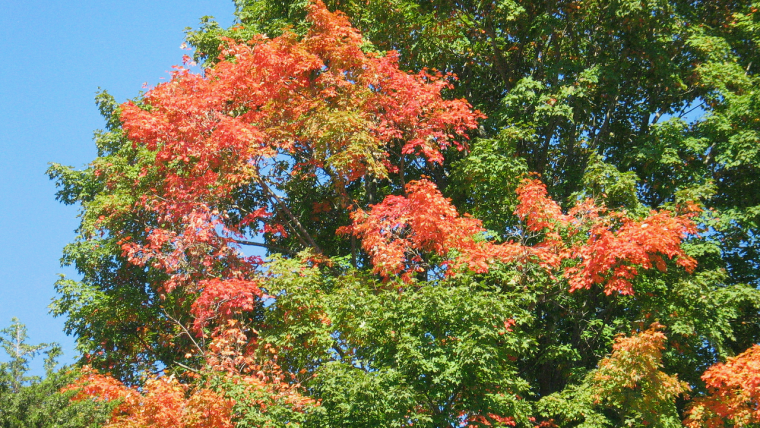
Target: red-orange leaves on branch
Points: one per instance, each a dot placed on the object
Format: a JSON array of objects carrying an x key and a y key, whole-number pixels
[
  {"x": 161, "y": 403},
  {"x": 222, "y": 299},
  {"x": 490, "y": 420},
  {"x": 734, "y": 393},
  {"x": 399, "y": 231},
  {"x": 537, "y": 209},
  {"x": 189, "y": 248},
  {"x": 615, "y": 247},
  {"x": 599, "y": 247},
  {"x": 321, "y": 95},
  {"x": 540, "y": 214}
]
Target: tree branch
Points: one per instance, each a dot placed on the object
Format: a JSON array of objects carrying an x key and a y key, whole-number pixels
[
  {"x": 302, "y": 234},
  {"x": 182, "y": 326},
  {"x": 262, "y": 245}
]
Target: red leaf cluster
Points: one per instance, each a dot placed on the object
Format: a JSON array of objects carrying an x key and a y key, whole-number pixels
[
  {"x": 321, "y": 95},
  {"x": 734, "y": 393},
  {"x": 221, "y": 299},
  {"x": 489, "y": 420},
  {"x": 617, "y": 247},
  {"x": 397, "y": 232},
  {"x": 189, "y": 248},
  {"x": 599, "y": 247}
]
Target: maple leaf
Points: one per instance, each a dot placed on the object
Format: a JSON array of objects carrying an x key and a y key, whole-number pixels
[
  {"x": 615, "y": 248},
  {"x": 222, "y": 299},
  {"x": 398, "y": 230}
]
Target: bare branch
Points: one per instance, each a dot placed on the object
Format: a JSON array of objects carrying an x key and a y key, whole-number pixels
[
  {"x": 263, "y": 245},
  {"x": 182, "y": 326},
  {"x": 303, "y": 234}
]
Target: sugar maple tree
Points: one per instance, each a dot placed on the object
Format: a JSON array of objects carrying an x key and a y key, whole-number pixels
[
  {"x": 320, "y": 101},
  {"x": 379, "y": 303}
]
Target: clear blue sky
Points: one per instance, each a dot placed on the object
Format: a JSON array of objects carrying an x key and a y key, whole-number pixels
[{"x": 56, "y": 54}]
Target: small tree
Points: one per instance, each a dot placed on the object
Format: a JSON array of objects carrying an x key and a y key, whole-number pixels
[
  {"x": 31, "y": 401},
  {"x": 13, "y": 374}
]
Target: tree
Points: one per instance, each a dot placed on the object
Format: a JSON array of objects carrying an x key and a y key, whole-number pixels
[
  {"x": 381, "y": 302},
  {"x": 567, "y": 84},
  {"x": 13, "y": 373},
  {"x": 29, "y": 401}
]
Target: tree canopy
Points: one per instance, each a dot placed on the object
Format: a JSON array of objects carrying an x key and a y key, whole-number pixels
[
  {"x": 430, "y": 213},
  {"x": 29, "y": 401}
]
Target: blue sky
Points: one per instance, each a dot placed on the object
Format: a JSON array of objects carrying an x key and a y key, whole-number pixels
[{"x": 56, "y": 54}]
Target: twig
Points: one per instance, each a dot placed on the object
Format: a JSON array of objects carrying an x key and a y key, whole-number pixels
[
  {"x": 185, "y": 330},
  {"x": 267, "y": 246}
]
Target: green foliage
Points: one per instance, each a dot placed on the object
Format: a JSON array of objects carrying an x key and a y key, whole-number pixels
[
  {"x": 13, "y": 373},
  {"x": 42, "y": 405},
  {"x": 485, "y": 182},
  {"x": 29, "y": 401},
  {"x": 113, "y": 307},
  {"x": 374, "y": 353},
  {"x": 256, "y": 408}
]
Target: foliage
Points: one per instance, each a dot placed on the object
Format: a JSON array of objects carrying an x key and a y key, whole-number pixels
[
  {"x": 661, "y": 91},
  {"x": 397, "y": 232},
  {"x": 734, "y": 393},
  {"x": 28, "y": 401},
  {"x": 13, "y": 373},
  {"x": 161, "y": 403},
  {"x": 607, "y": 160},
  {"x": 628, "y": 388}
]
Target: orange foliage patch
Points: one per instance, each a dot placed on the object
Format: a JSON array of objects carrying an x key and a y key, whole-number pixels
[
  {"x": 398, "y": 232},
  {"x": 734, "y": 393},
  {"x": 162, "y": 403},
  {"x": 321, "y": 95}
]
